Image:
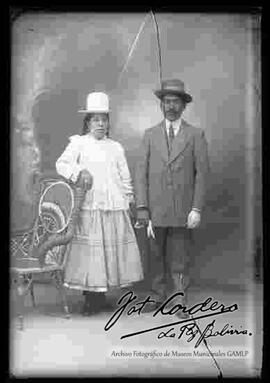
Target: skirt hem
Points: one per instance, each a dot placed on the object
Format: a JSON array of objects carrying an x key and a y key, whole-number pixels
[{"x": 98, "y": 289}]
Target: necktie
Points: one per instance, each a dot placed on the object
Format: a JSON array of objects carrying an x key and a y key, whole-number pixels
[{"x": 171, "y": 136}]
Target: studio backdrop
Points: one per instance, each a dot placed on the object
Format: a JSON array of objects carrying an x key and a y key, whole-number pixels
[{"x": 58, "y": 58}]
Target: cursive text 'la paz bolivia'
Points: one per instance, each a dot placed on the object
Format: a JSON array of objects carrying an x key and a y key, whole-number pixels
[{"x": 191, "y": 330}]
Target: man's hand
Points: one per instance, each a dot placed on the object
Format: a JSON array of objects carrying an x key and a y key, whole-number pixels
[
  {"x": 150, "y": 230},
  {"x": 194, "y": 219},
  {"x": 85, "y": 180}
]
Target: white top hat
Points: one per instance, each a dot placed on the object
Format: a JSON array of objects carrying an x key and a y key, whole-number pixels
[{"x": 96, "y": 102}]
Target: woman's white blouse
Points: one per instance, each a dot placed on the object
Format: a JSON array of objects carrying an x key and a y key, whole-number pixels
[{"x": 105, "y": 160}]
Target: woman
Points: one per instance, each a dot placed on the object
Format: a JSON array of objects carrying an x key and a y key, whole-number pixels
[{"x": 104, "y": 252}]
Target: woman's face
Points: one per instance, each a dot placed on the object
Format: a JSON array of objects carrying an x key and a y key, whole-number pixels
[{"x": 98, "y": 125}]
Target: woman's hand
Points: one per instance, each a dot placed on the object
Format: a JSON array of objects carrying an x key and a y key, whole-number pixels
[
  {"x": 142, "y": 218},
  {"x": 85, "y": 180},
  {"x": 131, "y": 211}
]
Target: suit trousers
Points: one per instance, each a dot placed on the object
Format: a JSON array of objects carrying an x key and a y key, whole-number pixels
[{"x": 170, "y": 259}]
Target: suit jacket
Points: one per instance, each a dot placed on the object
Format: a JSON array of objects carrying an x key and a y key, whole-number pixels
[{"x": 170, "y": 186}]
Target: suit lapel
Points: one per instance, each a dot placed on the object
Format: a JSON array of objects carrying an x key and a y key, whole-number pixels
[
  {"x": 162, "y": 138},
  {"x": 180, "y": 141}
]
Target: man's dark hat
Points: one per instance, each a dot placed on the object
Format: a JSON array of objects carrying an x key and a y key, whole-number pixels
[{"x": 175, "y": 87}]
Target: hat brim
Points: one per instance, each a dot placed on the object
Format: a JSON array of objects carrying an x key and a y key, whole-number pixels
[
  {"x": 161, "y": 93},
  {"x": 94, "y": 111}
]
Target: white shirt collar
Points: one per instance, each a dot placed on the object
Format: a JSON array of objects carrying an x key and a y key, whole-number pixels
[
  {"x": 176, "y": 125},
  {"x": 91, "y": 137}
]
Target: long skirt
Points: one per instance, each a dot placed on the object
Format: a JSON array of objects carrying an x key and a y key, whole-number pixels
[{"x": 104, "y": 253}]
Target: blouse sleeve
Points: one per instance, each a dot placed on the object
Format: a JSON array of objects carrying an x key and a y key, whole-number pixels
[
  {"x": 68, "y": 164},
  {"x": 125, "y": 174}
]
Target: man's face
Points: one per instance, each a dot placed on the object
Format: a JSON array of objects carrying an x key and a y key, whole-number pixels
[{"x": 172, "y": 107}]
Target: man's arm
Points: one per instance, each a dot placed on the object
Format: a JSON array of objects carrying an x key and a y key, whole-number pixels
[
  {"x": 141, "y": 178},
  {"x": 201, "y": 170}
]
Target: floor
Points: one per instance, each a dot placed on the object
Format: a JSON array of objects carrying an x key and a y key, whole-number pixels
[{"x": 52, "y": 345}]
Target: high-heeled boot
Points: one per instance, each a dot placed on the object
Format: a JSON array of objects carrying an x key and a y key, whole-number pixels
[{"x": 86, "y": 304}]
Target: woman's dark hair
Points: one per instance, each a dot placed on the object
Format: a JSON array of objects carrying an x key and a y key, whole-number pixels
[{"x": 86, "y": 120}]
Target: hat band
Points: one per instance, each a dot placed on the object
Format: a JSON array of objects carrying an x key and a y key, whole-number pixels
[
  {"x": 174, "y": 89},
  {"x": 94, "y": 110}
]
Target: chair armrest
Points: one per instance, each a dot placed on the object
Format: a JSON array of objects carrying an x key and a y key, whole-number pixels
[
  {"x": 53, "y": 176},
  {"x": 50, "y": 175},
  {"x": 20, "y": 232},
  {"x": 20, "y": 242}
]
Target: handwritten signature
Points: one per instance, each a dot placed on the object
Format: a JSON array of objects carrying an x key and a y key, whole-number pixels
[{"x": 207, "y": 308}]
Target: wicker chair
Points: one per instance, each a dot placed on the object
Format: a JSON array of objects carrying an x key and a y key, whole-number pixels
[{"x": 41, "y": 250}]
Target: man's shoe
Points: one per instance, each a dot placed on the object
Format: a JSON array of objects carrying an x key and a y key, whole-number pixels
[
  {"x": 181, "y": 315},
  {"x": 151, "y": 307}
]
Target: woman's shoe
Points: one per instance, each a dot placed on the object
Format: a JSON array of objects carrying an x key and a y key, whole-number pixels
[
  {"x": 85, "y": 308},
  {"x": 103, "y": 303},
  {"x": 90, "y": 305},
  {"x": 95, "y": 302},
  {"x": 108, "y": 307}
]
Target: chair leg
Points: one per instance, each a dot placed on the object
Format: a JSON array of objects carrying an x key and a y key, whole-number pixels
[
  {"x": 21, "y": 294},
  {"x": 20, "y": 322},
  {"x": 24, "y": 284},
  {"x": 32, "y": 294},
  {"x": 60, "y": 286}
]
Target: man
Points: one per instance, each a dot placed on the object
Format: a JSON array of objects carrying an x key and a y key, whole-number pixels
[{"x": 170, "y": 180}]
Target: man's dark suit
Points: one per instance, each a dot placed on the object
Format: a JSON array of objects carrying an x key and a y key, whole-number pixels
[{"x": 170, "y": 185}]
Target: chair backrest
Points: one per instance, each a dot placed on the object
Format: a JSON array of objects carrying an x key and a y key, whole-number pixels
[
  {"x": 58, "y": 211},
  {"x": 55, "y": 207},
  {"x": 25, "y": 237}
]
